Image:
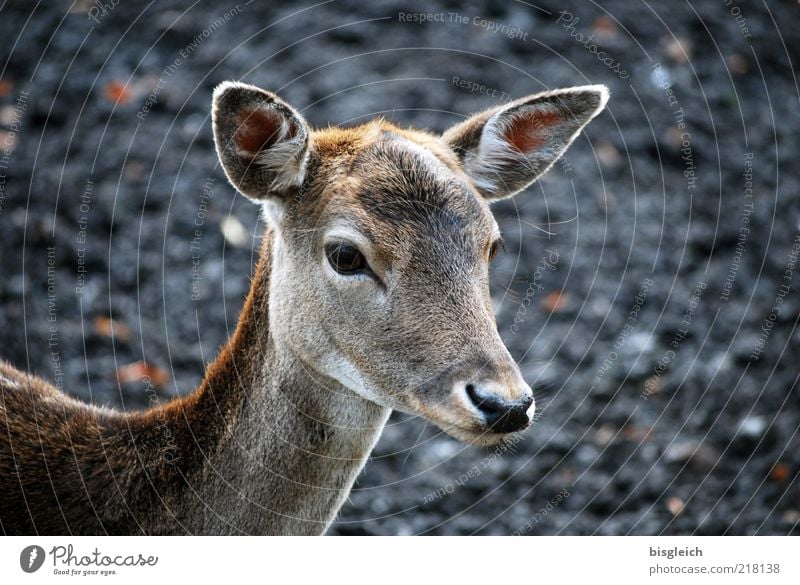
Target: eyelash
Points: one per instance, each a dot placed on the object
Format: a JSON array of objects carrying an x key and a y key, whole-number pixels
[{"x": 338, "y": 254}]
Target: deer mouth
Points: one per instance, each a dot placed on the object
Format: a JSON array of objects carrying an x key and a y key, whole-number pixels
[{"x": 485, "y": 437}]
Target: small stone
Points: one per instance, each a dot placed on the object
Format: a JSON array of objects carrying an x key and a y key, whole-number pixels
[
  {"x": 673, "y": 136},
  {"x": 442, "y": 450},
  {"x": 608, "y": 154},
  {"x": 586, "y": 454},
  {"x": 701, "y": 457},
  {"x": 640, "y": 342},
  {"x": 134, "y": 170},
  {"x": 791, "y": 516},
  {"x": 235, "y": 233},
  {"x": 8, "y": 114},
  {"x": 661, "y": 78},
  {"x": 737, "y": 64},
  {"x": 652, "y": 386},
  {"x": 8, "y": 141},
  {"x": 680, "y": 452},
  {"x": 679, "y": 50},
  {"x": 753, "y": 427},
  {"x": 675, "y": 505},
  {"x": 604, "y": 435}
]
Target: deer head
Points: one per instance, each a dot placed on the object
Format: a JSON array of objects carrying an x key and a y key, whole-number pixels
[{"x": 382, "y": 242}]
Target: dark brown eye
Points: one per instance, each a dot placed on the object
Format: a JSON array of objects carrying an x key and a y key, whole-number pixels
[
  {"x": 345, "y": 259},
  {"x": 494, "y": 249}
]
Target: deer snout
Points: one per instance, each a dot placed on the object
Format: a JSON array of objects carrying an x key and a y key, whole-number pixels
[{"x": 501, "y": 409}]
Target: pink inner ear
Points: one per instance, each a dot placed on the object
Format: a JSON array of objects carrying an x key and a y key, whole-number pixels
[
  {"x": 529, "y": 131},
  {"x": 258, "y": 129}
]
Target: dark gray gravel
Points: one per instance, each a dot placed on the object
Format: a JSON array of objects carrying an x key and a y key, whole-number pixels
[{"x": 657, "y": 417}]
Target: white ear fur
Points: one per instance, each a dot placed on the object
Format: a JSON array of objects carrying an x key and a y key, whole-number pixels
[
  {"x": 262, "y": 142},
  {"x": 506, "y": 148}
]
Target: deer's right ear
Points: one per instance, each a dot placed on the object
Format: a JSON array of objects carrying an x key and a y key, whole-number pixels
[
  {"x": 506, "y": 148},
  {"x": 262, "y": 142}
]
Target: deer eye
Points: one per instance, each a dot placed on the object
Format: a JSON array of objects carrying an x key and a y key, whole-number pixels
[
  {"x": 495, "y": 248},
  {"x": 345, "y": 259}
]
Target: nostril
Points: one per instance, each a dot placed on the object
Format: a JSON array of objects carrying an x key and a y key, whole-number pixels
[
  {"x": 486, "y": 404},
  {"x": 500, "y": 415}
]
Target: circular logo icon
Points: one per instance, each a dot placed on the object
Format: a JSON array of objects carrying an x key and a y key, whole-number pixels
[{"x": 31, "y": 558}]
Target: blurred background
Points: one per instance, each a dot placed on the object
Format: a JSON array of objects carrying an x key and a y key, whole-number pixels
[{"x": 649, "y": 286}]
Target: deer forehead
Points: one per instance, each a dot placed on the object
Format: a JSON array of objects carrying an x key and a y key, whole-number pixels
[{"x": 396, "y": 188}]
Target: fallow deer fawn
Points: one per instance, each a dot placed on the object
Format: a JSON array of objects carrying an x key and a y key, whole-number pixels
[{"x": 371, "y": 294}]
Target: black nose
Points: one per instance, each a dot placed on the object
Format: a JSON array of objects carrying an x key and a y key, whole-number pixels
[{"x": 502, "y": 416}]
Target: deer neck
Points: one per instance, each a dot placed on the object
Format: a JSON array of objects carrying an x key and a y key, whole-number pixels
[{"x": 287, "y": 443}]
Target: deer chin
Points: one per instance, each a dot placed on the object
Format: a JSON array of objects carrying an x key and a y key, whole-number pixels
[
  {"x": 485, "y": 438},
  {"x": 466, "y": 430}
]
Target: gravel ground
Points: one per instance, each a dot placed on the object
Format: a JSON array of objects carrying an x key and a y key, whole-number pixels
[{"x": 648, "y": 289}]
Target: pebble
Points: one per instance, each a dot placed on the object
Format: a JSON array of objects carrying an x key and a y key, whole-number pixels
[{"x": 753, "y": 427}]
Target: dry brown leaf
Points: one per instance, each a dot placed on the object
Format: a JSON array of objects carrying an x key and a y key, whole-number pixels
[
  {"x": 109, "y": 328},
  {"x": 634, "y": 433},
  {"x": 117, "y": 92},
  {"x": 142, "y": 371},
  {"x": 604, "y": 26},
  {"x": 780, "y": 472},
  {"x": 737, "y": 64},
  {"x": 555, "y": 302}
]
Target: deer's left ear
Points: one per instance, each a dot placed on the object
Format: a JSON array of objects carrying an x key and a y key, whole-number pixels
[{"x": 506, "y": 148}]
